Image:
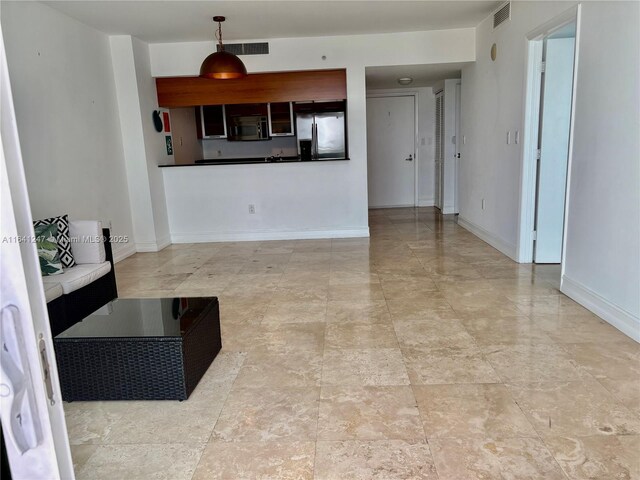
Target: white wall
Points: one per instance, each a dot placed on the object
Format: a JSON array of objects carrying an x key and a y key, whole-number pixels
[
  {"x": 602, "y": 262},
  {"x": 408, "y": 48},
  {"x": 155, "y": 147},
  {"x": 209, "y": 203},
  {"x": 144, "y": 148},
  {"x": 425, "y": 132},
  {"x": 316, "y": 197},
  {"x": 66, "y": 109},
  {"x": 493, "y": 104}
]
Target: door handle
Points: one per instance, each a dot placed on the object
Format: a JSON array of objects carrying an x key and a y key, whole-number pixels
[
  {"x": 15, "y": 390},
  {"x": 410, "y": 159}
]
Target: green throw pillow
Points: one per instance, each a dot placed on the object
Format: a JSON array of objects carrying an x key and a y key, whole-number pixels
[{"x": 47, "y": 246}]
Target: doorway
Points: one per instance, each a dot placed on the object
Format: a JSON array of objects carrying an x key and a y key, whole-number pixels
[
  {"x": 439, "y": 154},
  {"x": 553, "y": 145},
  {"x": 391, "y": 133},
  {"x": 547, "y": 140},
  {"x": 447, "y": 152}
]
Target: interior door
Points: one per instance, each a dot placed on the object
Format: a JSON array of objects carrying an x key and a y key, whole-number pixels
[
  {"x": 391, "y": 151},
  {"x": 554, "y": 148},
  {"x": 33, "y": 424},
  {"x": 439, "y": 157}
]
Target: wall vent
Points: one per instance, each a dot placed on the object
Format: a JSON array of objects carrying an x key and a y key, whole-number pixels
[
  {"x": 502, "y": 14},
  {"x": 261, "y": 48}
]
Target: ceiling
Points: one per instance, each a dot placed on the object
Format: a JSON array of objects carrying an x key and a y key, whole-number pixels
[
  {"x": 423, "y": 75},
  {"x": 185, "y": 20}
]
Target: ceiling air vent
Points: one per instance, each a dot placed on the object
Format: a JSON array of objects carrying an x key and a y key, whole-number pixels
[
  {"x": 502, "y": 14},
  {"x": 246, "y": 48}
]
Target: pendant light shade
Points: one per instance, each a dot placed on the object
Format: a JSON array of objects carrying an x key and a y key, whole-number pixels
[{"x": 222, "y": 65}]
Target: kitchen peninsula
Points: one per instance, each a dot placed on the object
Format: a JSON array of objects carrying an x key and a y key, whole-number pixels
[{"x": 294, "y": 119}]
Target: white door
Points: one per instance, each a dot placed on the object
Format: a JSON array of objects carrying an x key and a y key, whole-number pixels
[
  {"x": 439, "y": 158},
  {"x": 391, "y": 151},
  {"x": 554, "y": 148},
  {"x": 33, "y": 423}
]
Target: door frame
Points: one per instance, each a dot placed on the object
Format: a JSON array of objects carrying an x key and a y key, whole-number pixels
[
  {"x": 48, "y": 453},
  {"x": 438, "y": 163},
  {"x": 408, "y": 93},
  {"x": 531, "y": 120}
]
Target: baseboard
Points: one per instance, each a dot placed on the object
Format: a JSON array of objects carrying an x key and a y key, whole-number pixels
[
  {"x": 268, "y": 235},
  {"x": 164, "y": 242},
  {"x": 496, "y": 242},
  {"x": 374, "y": 207},
  {"x": 624, "y": 321},
  {"x": 426, "y": 202},
  {"x": 120, "y": 253},
  {"x": 153, "y": 246},
  {"x": 448, "y": 210}
]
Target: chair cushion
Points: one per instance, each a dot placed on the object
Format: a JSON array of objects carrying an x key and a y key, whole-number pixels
[
  {"x": 52, "y": 291},
  {"x": 79, "y": 276},
  {"x": 86, "y": 241}
]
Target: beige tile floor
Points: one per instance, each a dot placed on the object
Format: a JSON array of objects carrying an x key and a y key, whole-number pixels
[{"x": 420, "y": 353}]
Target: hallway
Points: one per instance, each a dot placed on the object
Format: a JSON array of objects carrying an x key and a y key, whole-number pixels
[{"x": 421, "y": 352}]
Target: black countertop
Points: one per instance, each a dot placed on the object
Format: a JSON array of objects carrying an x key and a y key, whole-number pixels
[{"x": 255, "y": 160}]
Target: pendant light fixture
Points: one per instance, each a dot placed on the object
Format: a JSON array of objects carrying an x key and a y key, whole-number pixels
[{"x": 222, "y": 65}]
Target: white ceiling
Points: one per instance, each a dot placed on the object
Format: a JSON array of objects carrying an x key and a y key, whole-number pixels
[
  {"x": 186, "y": 20},
  {"x": 423, "y": 75}
]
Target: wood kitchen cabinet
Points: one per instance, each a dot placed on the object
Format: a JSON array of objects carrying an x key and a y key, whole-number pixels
[
  {"x": 175, "y": 92},
  {"x": 246, "y": 110},
  {"x": 320, "y": 106},
  {"x": 211, "y": 121},
  {"x": 281, "y": 119}
]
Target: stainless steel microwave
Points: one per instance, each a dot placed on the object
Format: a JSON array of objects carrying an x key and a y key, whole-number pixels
[{"x": 247, "y": 128}]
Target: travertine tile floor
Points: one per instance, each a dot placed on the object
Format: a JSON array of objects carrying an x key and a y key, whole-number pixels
[{"x": 420, "y": 353}]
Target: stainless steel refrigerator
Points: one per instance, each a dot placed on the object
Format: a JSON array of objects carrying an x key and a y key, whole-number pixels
[{"x": 324, "y": 131}]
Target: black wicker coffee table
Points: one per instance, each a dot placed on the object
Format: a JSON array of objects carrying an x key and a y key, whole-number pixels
[{"x": 139, "y": 349}]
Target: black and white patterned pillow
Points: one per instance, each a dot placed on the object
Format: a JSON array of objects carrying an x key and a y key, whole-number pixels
[{"x": 64, "y": 242}]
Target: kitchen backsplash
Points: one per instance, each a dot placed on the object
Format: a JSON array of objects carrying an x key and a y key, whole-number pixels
[{"x": 284, "y": 146}]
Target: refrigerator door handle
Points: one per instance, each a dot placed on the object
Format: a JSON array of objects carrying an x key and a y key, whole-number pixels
[{"x": 314, "y": 140}]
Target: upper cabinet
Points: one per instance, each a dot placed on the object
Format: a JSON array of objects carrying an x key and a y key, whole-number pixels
[
  {"x": 211, "y": 121},
  {"x": 320, "y": 106},
  {"x": 281, "y": 119},
  {"x": 278, "y": 87}
]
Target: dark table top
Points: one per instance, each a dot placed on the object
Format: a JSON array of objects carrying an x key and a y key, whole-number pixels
[{"x": 146, "y": 317}]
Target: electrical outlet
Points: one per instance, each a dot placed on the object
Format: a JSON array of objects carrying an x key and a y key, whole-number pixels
[
  {"x": 252, "y": 208},
  {"x": 483, "y": 204}
]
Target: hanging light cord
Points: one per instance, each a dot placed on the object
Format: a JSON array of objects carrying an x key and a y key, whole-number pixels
[{"x": 218, "y": 34}]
